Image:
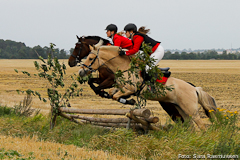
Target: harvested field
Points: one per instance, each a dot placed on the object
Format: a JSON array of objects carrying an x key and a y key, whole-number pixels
[{"x": 220, "y": 78}]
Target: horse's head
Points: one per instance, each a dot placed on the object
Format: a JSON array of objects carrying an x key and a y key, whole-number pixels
[
  {"x": 92, "y": 62},
  {"x": 103, "y": 56},
  {"x": 82, "y": 49}
]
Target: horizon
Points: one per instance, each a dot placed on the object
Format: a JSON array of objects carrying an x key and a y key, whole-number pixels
[{"x": 165, "y": 49}]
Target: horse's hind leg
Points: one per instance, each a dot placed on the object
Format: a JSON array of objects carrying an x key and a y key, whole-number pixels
[
  {"x": 172, "y": 111},
  {"x": 207, "y": 102},
  {"x": 189, "y": 107}
]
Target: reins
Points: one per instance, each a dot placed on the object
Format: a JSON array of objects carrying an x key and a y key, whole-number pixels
[{"x": 94, "y": 70}]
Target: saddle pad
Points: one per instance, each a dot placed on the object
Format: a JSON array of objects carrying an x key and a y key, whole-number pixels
[{"x": 163, "y": 80}]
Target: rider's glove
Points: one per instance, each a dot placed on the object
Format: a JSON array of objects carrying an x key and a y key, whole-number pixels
[{"x": 121, "y": 53}]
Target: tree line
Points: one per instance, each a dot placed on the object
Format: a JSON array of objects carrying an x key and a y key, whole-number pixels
[
  {"x": 208, "y": 54},
  {"x": 18, "y": 50}
]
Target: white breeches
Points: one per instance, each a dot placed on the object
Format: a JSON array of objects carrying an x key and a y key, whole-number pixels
[{"x": 157, "y": 55}]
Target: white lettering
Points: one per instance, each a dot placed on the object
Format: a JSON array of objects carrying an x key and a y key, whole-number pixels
[
  {"x": 194, "y": 156},
  {"x": 184, "y": 156},
  {"x": 209, "y": 156}
]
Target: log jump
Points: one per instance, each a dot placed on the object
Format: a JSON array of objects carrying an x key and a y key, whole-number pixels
[{"x": 136, "y": 118}]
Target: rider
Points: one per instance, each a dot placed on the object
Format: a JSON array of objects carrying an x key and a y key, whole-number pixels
[
  {"x": 140, "y": 36},
  {"x": 117, "y": 39}
]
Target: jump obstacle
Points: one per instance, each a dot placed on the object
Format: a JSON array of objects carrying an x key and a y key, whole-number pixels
[{"x": 137, "y": 119}]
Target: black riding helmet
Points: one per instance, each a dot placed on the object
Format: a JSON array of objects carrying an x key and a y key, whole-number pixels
[
  {"x": 112, "y": 27},
  {"x": 130, "y": 27}
]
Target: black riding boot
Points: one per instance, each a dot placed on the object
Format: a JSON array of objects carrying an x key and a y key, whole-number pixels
[{"x": 145, "y": 76}]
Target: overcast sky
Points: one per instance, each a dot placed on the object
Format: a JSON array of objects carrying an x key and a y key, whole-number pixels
[{"x": 178, "y": 24}]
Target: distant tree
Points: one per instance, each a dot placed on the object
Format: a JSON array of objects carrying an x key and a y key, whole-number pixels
[
  {"x": 22, "y": 53},
  {"x": 71, "y": 51},
  {"x": 223, "y": 55},
  {"x": 184, "y": 55},
  {"x": 166, "y": 55},
  {"x": 176, "y": 55},
  {"x": 40, "y": 51},
  {"x": 192, "y": 55}
]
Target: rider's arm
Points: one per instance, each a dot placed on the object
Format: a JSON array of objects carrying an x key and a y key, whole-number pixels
[
  {"x": 137, "y": 40},
  {"x": 117, "y": 41}
]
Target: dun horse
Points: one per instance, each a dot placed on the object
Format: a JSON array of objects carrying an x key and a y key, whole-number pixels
[
  {"x": 81, "y": 50},
  {"x": 181, "y": 101}
]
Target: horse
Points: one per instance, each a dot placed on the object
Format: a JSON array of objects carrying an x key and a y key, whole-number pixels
[
  {"x": 81, "y": 50},
  {"x": 182, "y": 101}
]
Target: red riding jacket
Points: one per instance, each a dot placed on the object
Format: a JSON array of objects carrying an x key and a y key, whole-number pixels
[
  {"x": 122, "y": 41},
  {"x": 138, "y": 38}
]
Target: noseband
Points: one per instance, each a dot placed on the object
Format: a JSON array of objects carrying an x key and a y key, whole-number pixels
[
  {"x": 90, "y": 66},
  {"x": 94, "y": 70},
  {"x": 80, "y": 50}
]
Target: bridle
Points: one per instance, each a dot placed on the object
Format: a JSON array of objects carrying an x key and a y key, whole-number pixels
[
  {"x": 94, "y": 70},
  {"x": 79, "y": 52},
  {"x": 90, "y": 66}
]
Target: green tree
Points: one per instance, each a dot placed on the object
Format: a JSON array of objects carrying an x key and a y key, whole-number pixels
[{"x": 54, "y": 72}]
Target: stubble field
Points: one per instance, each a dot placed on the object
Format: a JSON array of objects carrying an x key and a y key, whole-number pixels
[{"x": 220, "y": 78}]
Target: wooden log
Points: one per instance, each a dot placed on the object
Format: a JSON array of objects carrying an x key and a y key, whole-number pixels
[
  {"x": 103, "y": 120},
  {"x": 152, "y": 119},
  {"x": 143, "y": 122},
  {"x": 70, "y": 118},
  {"x": 137, "y": 112},
  {"x": 112, "y": 120}
]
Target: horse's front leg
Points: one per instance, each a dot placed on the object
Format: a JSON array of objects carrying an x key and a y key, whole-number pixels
[
  {"x": 107, "y": 83},
  {"x": 93, "y": 87},
  {"x": 121, "y": 96}
]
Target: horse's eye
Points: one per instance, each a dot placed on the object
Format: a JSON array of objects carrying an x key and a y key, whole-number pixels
[{"x": 90, "y": 59}]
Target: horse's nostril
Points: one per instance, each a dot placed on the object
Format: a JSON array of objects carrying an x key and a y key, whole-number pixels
[{"x": 72, "y": 63}]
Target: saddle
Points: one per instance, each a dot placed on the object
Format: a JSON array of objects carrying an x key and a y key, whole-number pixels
[
  {"x": 165, "y": 71},
  {"x": 166, "y": 75},
  {"x": 163, "y": 80}
]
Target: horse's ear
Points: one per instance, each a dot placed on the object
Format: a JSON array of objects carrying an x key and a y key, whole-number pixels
[
  {"x": 99, "y": 43},
  {"x": 92, "y": 47},
  {"x": 77, "y": 37}
]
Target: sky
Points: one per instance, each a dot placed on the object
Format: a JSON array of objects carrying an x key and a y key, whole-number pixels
[{"x": 178, "y": 24}]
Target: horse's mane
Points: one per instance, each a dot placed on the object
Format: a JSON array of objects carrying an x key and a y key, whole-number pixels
[{"x": 105, "y": 41}]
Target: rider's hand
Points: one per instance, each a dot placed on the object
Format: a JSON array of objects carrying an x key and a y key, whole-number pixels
[{"x": 121, "y": 53}]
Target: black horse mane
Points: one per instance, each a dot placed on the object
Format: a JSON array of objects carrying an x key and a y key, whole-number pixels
[{"x": 105, "y": 41}]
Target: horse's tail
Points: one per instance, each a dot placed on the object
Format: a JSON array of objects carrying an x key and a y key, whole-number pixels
[{"x": 206, "y": 101}]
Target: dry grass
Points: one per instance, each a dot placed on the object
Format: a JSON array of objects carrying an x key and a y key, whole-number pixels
[{"x": 31, "y": 147}]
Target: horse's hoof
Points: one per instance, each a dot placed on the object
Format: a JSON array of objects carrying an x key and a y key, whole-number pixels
[{"x": 131, "y": 102}]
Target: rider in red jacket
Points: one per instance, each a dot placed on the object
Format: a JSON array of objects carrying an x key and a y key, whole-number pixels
[
  {"x": 118, "y": 40},
  {"x": 138, "y": 38}
]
